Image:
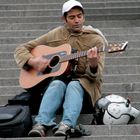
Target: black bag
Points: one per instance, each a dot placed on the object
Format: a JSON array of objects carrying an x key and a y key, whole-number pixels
[
  {"x": 20, "y": 99},
  {"x": 26, "y": 98},
  {"x": 15, "y": 121}
]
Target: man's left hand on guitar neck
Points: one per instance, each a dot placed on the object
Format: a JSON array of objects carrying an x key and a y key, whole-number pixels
[{"x": 93, "y": 58}]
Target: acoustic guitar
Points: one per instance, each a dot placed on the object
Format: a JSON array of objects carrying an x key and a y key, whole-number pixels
[{"x": 59, "y": 58}]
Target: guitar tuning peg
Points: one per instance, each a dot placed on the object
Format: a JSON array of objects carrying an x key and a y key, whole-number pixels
[{"x": 117, "y": 47}]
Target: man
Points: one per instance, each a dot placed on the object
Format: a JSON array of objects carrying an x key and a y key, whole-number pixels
[{"x": 87, "y": 75}]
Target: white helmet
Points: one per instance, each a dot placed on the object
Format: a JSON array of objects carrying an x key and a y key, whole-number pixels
[{"x": 114, "y": 109}]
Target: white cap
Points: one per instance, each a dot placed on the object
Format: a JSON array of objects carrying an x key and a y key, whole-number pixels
[{"x": 67, "y": 6}]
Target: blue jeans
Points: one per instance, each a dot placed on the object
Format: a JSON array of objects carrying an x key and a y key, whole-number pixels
[{"x": 57, "y": 92}]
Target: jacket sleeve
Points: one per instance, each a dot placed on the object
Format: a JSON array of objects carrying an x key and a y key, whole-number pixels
[
  {"x": 98, "y": 72},
  {"x": 23, "y": 52}
]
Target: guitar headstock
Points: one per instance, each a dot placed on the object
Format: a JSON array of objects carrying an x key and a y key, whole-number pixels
[{"x": 117, "y": 47}]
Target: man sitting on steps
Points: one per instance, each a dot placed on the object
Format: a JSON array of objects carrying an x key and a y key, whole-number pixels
[{"x": 87, "y": 74}]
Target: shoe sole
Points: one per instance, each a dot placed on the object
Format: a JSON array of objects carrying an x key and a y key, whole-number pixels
[
  {"x": 59, "y": 133},
  {"x": 35, "y": 134}
]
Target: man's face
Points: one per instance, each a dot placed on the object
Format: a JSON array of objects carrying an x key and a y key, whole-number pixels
[{"x": 74, "y": 20}]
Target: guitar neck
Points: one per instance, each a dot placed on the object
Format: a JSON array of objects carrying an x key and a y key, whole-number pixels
[
  {"x": 77, "y": 55},
  {"x": 114, "y": 47}
]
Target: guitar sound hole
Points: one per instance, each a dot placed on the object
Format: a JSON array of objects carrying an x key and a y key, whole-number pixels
[{"x": 54, "y": 61}]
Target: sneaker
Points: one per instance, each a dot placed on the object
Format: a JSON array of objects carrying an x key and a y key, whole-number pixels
[
  {"x": 38, "y": 130},
  {"x": 62, "y": 130}
]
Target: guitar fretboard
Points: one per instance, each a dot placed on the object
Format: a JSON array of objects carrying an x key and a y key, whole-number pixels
[{"x": 78, "y": 55}]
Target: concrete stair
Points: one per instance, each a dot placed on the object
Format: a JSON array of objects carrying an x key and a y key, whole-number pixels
[{"x": 21, "y": 21}]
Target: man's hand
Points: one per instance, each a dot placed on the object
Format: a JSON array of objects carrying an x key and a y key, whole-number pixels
[
  {"x": 38, "y": 63},
  {"x": 93, "y": 57}
]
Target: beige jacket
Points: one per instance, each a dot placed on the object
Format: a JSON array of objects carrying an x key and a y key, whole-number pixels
[{"x": 89, "y": 38}]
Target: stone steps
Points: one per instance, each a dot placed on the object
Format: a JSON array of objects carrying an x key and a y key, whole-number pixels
[
  {"x": 41, "y": 1},
  {"x": 58, "y": 1},
  {"x": 122, "y": 69},
  {"x": 40, "y": 26},
  {"x": 106, "y": 11},
  {"x": 113, "y": 38},
  {"x": 119, "y": 20},
  {"x": 48, "y": 5},
  {"x": 38, "y": 23},
  {"x": 113, "y": 137},
  {"x": 89, "y": 17},
  {"x": 123, "y": 61},
  {"x": 34, "y": 30},
  {"x": 57, "y": 20},
  {"x": 57, "y": 12}
]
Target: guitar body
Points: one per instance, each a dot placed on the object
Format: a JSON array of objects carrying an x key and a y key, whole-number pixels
[{"x": 31, "y": 78}]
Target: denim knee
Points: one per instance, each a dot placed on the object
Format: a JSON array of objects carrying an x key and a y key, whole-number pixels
[
  {"x": 57, "y": 86},
  {"x": 75, "y": 85},
  {"x": 58, "y": 83}
]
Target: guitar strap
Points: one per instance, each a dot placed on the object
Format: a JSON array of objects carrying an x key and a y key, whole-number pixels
[
  {"x": 74, "y": 62},
  {"x": 77, "y": 132}
]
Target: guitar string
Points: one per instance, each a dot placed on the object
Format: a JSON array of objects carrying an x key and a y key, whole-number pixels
[{"x": 76, "y": 55}]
